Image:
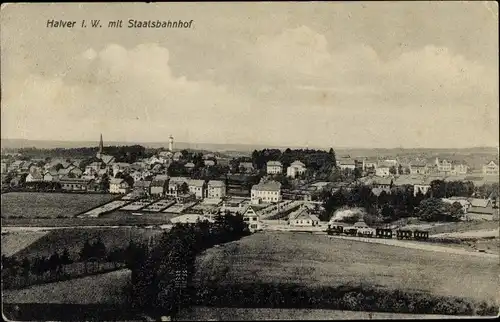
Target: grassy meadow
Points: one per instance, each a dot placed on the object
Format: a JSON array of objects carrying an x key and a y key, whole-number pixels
[
  {"x": 317, "y": 261},
  {"x": 49, "y": 205}
]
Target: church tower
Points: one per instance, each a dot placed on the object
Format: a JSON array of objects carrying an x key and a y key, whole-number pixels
[
  {"x": 101, "y": 147},
  {"x": 171, "y": 143}
]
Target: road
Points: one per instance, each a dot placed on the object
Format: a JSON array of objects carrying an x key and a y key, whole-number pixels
[
  {"x": 417, "y": 245},
  {"x": 7, "y": 229}
]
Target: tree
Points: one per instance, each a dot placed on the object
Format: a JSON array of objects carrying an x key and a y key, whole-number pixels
[
  {"x": 434, "y": 209},
  {"x": 456, "y": 211},
  {"x": 184, "y": 188},
  {"x": 26, "y": 267},
  {"x": 99, "y": 249},
  {"x": 388, "y": 213},
  {"x": 86, "y": 253},
  {"x": 438, "y": 189},
  {"x": 392, "y": 170}
]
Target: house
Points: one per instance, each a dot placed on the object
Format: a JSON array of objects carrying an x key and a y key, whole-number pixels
[
  {"x": 34, "y": 177},
  {"x": 274, "y": 167},
  {"x": 70, "y": 171},
  {"x": 190, "y": 219},
  {"x": 303, "y": 218},
  {"x": 346, "y": 164},
  {"x": 251, "y": 217},
  {"x": 166, "y": 154},
  {"x": 74, "y": 184},
  {"x": 159, "y": 185},
  {"x": 174, "y": 186},
  {"x": 197, "y": 187},
  {"x": 107, "y": 159},
  {"x": 422, "y": 187},
  {"x": 460, "y": 169},
  {"x": 3, "y": 167},
  {"x": 296, "y": 168},
  {"x": 50, "y": 176},
  {"x": 383, "y": 169},
  {"x": 209, "y": 163},
  {"x": 369, "y": 164},
  {"x": 25, "y": 166},
  {"x": 143, "y": 187},
  {"x": 382, "y": 182},
  {"x": 443, "y": 165},
  {"x": 267, "y": 192},
  {"x": 419, "y": 169},
  {"x": 177, "y": 156},
  {"x": 482, "y": 209},
  {"x": 461, "y": 200},
  {"x": 491, "y": 168},
  {"x": 16, "y": 165},
  {"x": 120, "y": 167},
  {"x": 247, "y": 167},
  {"x": 118, "y": 186},
  {"x": 189, "y": 166},
  {"x": 215, "y": 189},
  {"x": 94, "y": 167}
]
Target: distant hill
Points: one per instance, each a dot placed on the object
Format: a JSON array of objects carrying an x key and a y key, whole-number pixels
[{"x": 340, "y": 151}]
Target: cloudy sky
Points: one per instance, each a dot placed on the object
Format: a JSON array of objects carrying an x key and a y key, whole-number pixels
[{"x": 301, "y": 74}]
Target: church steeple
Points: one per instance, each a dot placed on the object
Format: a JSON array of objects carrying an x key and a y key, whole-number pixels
[{"x": 101, "y": 145}]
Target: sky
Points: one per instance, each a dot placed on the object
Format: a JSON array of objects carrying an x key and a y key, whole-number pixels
[{"x": 332, "y": 74}]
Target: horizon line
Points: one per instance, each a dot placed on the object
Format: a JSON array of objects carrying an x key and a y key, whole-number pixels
[{"x": 260, "y": 144}]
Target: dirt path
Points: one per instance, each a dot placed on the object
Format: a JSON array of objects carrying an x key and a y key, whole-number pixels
[
  {"x": 471, "y": 234},
  {"x": 421, "y": 246}
]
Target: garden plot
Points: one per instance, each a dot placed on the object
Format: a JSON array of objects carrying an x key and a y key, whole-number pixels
[
  {"x": 113, "y": 205},
  {"x": 137, "y": 205},
  {"x": 159, "y": 205}
]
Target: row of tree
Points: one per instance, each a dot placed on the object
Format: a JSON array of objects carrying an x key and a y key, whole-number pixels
[
  {"x": 318, "y": 160},
  {"x": 163, "y": 280},
  {"x": 399, "y": 203}
]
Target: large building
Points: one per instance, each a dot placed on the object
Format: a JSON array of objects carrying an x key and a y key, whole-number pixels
[
  {"x": 491, "y": 168},
  {"x": 443, "y": 165},
  {"x": 274, "y": 167},
  {"x": 266, "y": 192},
  {"x": 296, "y": 168},
  {"x": 215, "y": 189}
]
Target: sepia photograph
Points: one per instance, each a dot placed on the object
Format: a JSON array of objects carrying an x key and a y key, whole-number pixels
[{"x": 246, "y": 161}]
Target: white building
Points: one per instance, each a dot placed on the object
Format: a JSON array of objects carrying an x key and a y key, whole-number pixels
[
  {"x": 383, "y": 171},
  {"x": 346, "y": 164},
  {"x": 443, "y": 165},
  {"x": 197, "y": 187},
  {"x": 296, "y": 168},
  {"x": 303, "y": 218},
  {"x": 459, "y": 169},
  {"x": 34, "y": 177},
  {"x": 419, "y": 169},
  {"x": 190, "y": 219},
  {"x": 274, "y": 167},
  {"x": 491, "y": 168},
  {"x": 251, "y": 217},
  {"x": 215, "y": 189},
  {"x": 266, "y": 192},
  {"x": 118, "y": 186},
  {"x": 171, "y": 143}
]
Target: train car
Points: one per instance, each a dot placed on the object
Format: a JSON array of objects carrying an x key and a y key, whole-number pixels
[
  {"x": 420, "y": 235},
  {"x": 351, "y": 231},
  {"x": 404, "y": 234},
  {"x": 335, "y": 230},
  {"x": 383, "y": 233},
  {"x": 366, "y": 232}
]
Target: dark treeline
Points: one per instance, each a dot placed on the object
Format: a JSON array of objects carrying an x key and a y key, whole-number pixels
[
  {"x": 398, "y": 202},
  {"x": 37, "y": 268},
  {"x": 127, "y": 154},
  {"x": 163, "y": 280},
  {"x": 314, "y": 159}
]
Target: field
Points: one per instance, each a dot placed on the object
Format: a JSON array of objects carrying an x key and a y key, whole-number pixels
[
  {"x": 317, "y": 261},
  {"x": 49, "y": 205},
  {"x": 16, "y": 241},
  {"x": 106, "y": 288},
  {"x": 73, "y": 240}
]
